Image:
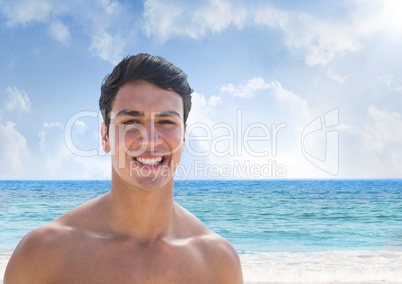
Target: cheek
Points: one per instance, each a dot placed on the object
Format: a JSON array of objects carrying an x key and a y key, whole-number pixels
[
  {"x": 174, "y": 137},
  {"x": 125, "y": 138}
]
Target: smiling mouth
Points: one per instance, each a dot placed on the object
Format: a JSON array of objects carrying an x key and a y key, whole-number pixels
[{"x": 150, "y": 161}]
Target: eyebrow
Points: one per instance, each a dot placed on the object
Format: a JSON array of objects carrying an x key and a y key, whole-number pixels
[
  {"x": 130, "y": 113},
  {"x": 136, "y": 113},
  {"x": 167, "y": 114}
]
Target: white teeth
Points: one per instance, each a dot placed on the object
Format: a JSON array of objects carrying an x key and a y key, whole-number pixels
[{"x": 150, "y": 162}]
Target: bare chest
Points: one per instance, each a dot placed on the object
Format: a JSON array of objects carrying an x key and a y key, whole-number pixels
[{"x": 121, "y": 262}]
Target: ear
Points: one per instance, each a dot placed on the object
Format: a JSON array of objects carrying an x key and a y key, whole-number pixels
[
  {"x": 105, "y": 138},
  {"x": 184, "y": 135}
]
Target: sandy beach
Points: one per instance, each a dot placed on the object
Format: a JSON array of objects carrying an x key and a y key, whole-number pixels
[{"x": 4, "y": 257}]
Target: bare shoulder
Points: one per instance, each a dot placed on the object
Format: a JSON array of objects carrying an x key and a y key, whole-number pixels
[
  {"x": 40, "y": 254},
  {"x": 220, "y": 257},
  {"x": 37, "y": 256}
]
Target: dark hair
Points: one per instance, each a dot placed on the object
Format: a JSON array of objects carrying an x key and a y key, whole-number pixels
[{"x": 153, "y": 69}]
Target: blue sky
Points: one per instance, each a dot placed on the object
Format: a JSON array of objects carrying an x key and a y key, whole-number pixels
[{"x": 282, "y": 89}]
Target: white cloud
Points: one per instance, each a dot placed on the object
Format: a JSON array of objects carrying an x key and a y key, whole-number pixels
[
  {"x": 272, "y": 17},
  {"x": 378, "y": 17},
  {"x": 42, "y": 140},
  {"x": 22, "y": 12},
  {"x": 102, "y": 24},
  {"x": 383, "y": 130},
  {"x": 330, "y": 43},
  {"x": 159, "y": 19},
  {"x": 165, "y": 19},
  {"x": 282, "y": 95},
  {"x": 53, "y": 125},
  {"x": 59, "y": 162},
  {"x": 205, "y": 108},
  {"x": 59, "y": 31},
  {"x": 372, "y": 150},
  {"x": 214, "y": 100},
  {"x": 109, "y": 27},
  {"x": 17, "y": 99},
  {"x": 80, "y": 127},
  {"x": 321, "y": 41},
  {"x": 392, "y": 82},
  {"x": 14, "y": 153},
  {"x": 369, "y": 151},
  {"x": 96, "y": 167},
  {"x": 42, "y": 135},
  {"x": 336, "y": 77},
  {"x": 241, "y": 134},
  {"x": 246, "y": 91},
  {"x": 290, "y": 98},
  {"x": 201, "y": 124},
  {"x": 110, "y": 6},
  {"x": 217, "y": 16},
  {"x": 107, "y": 47}
]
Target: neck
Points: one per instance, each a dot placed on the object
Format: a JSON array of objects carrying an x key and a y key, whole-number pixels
[{"x": 146, "y": 215}]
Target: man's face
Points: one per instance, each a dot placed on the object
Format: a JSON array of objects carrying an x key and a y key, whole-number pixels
[{"x": 146, "y": 135}]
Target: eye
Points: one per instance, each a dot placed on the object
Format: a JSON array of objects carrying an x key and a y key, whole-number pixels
[
  {"x": 131, "y": 121},
  {"x": 165, "y": 121}
]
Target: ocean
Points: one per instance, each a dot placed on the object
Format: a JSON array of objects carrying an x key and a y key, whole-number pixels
[{"x": 286, "y": 231}]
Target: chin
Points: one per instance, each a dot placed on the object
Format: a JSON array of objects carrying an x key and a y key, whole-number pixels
[{"x": 148, "y": 184}]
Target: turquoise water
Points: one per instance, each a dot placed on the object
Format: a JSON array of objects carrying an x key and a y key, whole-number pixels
[
  {"x": 256, "y": 216},
  {"x": 322, "y": 230}
]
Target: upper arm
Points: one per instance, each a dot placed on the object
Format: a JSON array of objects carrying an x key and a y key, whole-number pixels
[{"x": 32, "y": 261}]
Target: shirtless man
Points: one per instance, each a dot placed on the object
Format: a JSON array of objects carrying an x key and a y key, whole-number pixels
[{"x": 135, "y": 233}]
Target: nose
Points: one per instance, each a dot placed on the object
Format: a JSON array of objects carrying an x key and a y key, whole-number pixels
[{"x": 150, "y": 137}]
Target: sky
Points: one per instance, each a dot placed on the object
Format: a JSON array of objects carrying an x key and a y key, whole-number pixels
[{"x": 282, "y": 89}]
